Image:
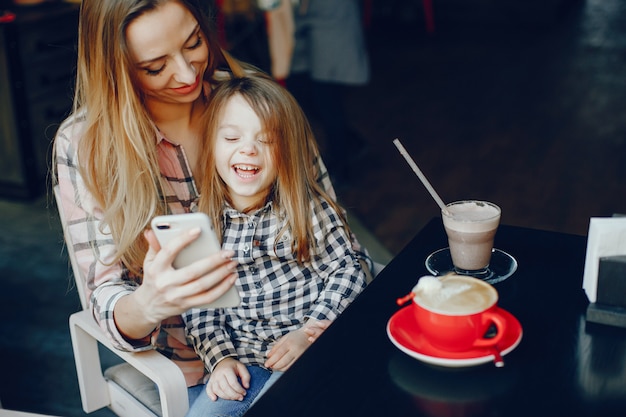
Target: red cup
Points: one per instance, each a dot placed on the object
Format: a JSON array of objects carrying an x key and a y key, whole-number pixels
[{"x": 458, "y": 316}]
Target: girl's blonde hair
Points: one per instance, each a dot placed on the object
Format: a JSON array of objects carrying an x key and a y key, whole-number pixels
[
  {"x": 294, "y": 150},
  {"x": 117, "y": 151}
]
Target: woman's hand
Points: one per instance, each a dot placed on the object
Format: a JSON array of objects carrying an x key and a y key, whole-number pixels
[
  {"x": 167, "y": 292},
  {"x": 225, "y": 380},
  {"x": 292, "y": 345}
]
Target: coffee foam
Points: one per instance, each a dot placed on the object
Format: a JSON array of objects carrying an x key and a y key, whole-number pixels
[
  {"x": 427, "y": 284},
  {"x": 458, "y": 295},
  {"x": 471, "y": 217}
]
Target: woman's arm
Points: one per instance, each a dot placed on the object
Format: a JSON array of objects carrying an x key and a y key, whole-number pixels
[
  {"x": 129, "y": 309},
  {"x": 106, "y": 282}
]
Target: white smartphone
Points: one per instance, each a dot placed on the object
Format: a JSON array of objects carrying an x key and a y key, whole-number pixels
[{"x": 169, "y": 226}]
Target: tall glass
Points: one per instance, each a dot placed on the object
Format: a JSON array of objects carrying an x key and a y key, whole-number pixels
[{"x": 471, "y": 226}]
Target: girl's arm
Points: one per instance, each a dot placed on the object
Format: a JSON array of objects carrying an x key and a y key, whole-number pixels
[
  {"x": 343, "y": 277},
  {"x": 292, "y": 345},
  {"x": 206, "y": 329},
  {"x": 323, "y": 179},
  {"x": 315, "y": 328},
  {"x": 337, "y": 263}
]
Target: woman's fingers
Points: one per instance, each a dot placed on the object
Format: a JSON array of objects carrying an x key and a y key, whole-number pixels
[
  {"x": 159, "y": 259},
  {"x": 153, "y": 242},
  {"x": 167, "y": 254},
  {"x": 201, "y": 272},
  {"x": 171, "y": 291},
  {"x": 204, "y": 275},
  {"x": 213, "y": 293}
]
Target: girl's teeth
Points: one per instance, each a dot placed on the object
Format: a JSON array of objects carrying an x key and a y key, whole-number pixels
[{"x": 246, "y": 170}]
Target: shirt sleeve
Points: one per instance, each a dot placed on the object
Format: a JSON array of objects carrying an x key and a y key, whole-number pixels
[
  {"x": 105, "y": 281},
  {"x": 323, "y": 179},
  {"x": 338, "y": 263},
  {"x": 206, "y": 329}
]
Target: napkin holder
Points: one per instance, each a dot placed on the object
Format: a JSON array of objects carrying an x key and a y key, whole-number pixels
[{"x": 610, "y": 305}]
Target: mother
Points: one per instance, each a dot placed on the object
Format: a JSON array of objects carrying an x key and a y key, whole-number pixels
[{"x": 128, "y": 152}]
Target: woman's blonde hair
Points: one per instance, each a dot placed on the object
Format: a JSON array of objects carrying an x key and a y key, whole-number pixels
[
  {"x": 294, "y": 150},
  {"x": 117, "y": 151}
]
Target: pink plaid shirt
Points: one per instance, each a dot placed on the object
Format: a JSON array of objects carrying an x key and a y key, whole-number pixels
[{"x": 94, "y": 248}]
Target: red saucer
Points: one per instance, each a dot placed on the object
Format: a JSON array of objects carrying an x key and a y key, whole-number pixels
[{"x": 403, "y": 333}]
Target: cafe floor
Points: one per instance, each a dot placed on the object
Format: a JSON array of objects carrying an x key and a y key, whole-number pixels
[{"x": 526, "y": 108}]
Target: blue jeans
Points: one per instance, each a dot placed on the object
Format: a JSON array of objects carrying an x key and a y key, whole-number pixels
[
  {"x": 260, "y": 381},
  {"x": 194, "y": 392}
]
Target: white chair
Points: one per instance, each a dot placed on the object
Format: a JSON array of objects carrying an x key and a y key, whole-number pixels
[
  {"x": 377, "y": 268},
  {"x": 144, "y": 384}
]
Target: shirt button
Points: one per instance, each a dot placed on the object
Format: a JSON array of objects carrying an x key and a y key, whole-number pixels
[
  {"x": 246, "y": 248},
  {"x": 258, "y": 284},
  {"x": 253, "y": 269},
  {"x": 250, "y": 224}
]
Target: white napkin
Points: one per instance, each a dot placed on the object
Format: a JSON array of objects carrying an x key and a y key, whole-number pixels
[{"x": 607, "y": 237}]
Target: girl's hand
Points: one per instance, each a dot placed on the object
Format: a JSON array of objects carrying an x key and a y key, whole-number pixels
[
  {"x": 314, "y": 328},
  {"x": 292, "y": 345},
  {"x": 225, "y": 380},
  {"x": 166, "y": 292}
]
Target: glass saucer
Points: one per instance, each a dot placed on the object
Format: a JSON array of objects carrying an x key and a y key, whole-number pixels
[{"x": 501, "y": 267}]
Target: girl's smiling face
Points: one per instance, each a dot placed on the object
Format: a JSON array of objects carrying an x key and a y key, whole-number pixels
[
  {"x": 243, "y": 154},
  {"x": 169, "y": 52}
]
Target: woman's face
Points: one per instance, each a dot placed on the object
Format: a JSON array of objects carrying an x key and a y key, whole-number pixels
[
  {"x": 169, "y": 52},
  {"x": 243, "y": 154}
]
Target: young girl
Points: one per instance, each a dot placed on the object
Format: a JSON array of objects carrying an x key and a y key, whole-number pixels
[{"x": 296, "y": 266}]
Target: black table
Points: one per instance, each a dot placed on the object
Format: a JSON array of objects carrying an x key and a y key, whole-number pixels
[{"x": 563, "y": 366}]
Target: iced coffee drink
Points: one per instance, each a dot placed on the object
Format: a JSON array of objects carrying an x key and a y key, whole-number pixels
[{"x": 471, "y": 226}]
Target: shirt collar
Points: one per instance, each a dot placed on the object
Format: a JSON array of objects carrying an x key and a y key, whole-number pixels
[
  {"x": 232, "y": 213},
  {"x": 160, "y": 137}
]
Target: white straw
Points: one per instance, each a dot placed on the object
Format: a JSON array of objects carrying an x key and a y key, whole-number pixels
[{"x": 421, "y": 176}]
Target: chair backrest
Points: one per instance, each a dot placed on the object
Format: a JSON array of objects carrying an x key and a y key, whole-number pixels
[{"x": 78, "y": 277}]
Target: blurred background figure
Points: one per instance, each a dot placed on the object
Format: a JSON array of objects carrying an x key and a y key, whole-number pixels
[
  {"x": 242, "y": 30},
  {"x": 329, "y": 56},
  {"x": 259, "y": 32},
  {"x": 280, "y": 35}
]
